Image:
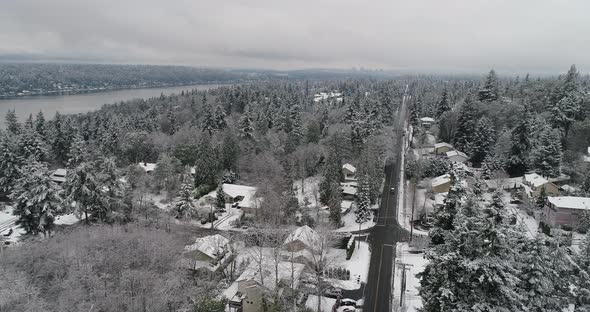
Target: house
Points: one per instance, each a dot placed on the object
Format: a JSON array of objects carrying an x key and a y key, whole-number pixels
[
  {"x": 59, "y": 175},
  {"x": 442, "y": 148},
  {"x": 457, "y": 156},
  {"x": 348, "y": 192},
  {"x": 565, "y": 210},
  {"x": 534, "y": 183},
  {"x": 247, "y": 293},
  {"x": 426, "y": 122},
  {"x": 441, "y": 184},
  {"x": 147, "y": 167},
  {"x": 244, "y": 195},
  {"x": 507, "y": 184},
  {"x": 303, "y": 237},
  {"x": 210, "y": 252},
  {"x": 349, "y": 172},
  {"x": 561, "y": 179}
]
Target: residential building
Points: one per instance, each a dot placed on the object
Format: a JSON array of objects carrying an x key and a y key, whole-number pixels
[
  {"x": 244, "y": 195},
  {"x": 426, "y": 122},
  {"x": 212, "y": 252},
  {"x": 457, "y": 156},
  {"x": 59, "y": 175},
  {"x": 349, "y": 172},
  {"x": 534, "y": 183},
  {"x": 565, "y": 210},
  {"x": 148, "y": 167},
  {"x": 249, "y": 291},
  {"x": 506, "y": 184},
  {"x": 441, "y": 184},
  {"x": 442, "y": 148}
]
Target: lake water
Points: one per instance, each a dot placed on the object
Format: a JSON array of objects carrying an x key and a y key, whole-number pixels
[{"x": 82, "y": 103}]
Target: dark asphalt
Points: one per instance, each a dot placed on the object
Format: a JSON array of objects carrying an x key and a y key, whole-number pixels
[{"x": 385, "y": 235}]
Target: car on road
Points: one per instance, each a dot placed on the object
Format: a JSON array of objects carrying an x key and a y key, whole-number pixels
[
  {"x": 333, "y": 292},
  {"x": 392, "y": 189}
]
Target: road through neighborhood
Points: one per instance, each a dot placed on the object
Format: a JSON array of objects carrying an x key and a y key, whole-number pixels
[{"x": 387, "y": 232}]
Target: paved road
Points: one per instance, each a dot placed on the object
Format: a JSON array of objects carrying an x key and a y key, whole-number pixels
[{"x": 386, "y": 233}]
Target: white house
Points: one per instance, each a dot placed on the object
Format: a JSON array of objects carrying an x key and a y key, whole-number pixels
[
  {"x": 59, "y": 175},
  {"x": 441, "y": 184},
  {"x": 534, "y": 183},
  {"x": 349, "y": 172},
  {"x": 209, "y": 252},
  {"x": 457, "y": 156},
  {"x": 427, "y": 121},
  {"x": 244, "y": 195}
]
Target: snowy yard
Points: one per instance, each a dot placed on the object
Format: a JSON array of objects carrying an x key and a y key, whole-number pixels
[
  {"x": 411, "y": 300},
  {"x": 350, "y": 224},
  {"x": 311, "y": 190},
  {"x": 326, "y": 303},
  {"x": 7, "y": 220},
  {"x": 225, "y": 219},
  {"x": 358, "y": 265}
]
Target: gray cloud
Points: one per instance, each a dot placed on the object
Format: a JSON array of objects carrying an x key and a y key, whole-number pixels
[{"x": 540, "y": 36}]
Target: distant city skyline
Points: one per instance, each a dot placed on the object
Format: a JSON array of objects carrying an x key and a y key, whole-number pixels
[{"x": 428, "y": 36}]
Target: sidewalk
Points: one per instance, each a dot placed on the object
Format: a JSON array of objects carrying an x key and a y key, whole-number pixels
[{"x": 414, "y": 263}]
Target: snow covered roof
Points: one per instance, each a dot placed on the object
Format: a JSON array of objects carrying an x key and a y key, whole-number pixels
[
  {"x": 570, "y": 202},
  {"x": 456, "y": 153},
  {"x": 427, "y": 119},
  {"x": 445, "y": 178},
  {"x": 211, "y": 245},
  {"x": 247, "y": 192},
  {"x": 346, "y": 204},
  {"x": 349, "y": 167},
  {"x": 535, "y": 179},
  {"x": 443, "y": 144},
  {"x": 59, "y": 175},
  {"x": 304, "y": 234},
  {"x": 349, "y": 190},
  {"x": 148, "y": 167},
  {"x": 588, "y": 150},
  {"x": 568, "y": 188}
]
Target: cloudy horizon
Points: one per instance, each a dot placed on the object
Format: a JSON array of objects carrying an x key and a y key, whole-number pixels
[{"x": 458, "y": 36}]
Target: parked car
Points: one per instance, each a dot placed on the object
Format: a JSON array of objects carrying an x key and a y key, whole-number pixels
[
  {"x": 333, "y": 292},
  {"x": 235, "y": 205}
]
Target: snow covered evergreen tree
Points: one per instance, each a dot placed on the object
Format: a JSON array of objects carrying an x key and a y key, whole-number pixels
[
  {"x": 363, "y": 209},
  {"x": 220, "y": 199},
  {"x": 36, "y": 199},
  {"x": 78, "y": 152},
  {"x": 184, "y": 208},
  {"x": 10, "y": 162},
  {"x": 443, "y": 105},
  {"x": 490, "y": 91},
  {"x": 466, "y": 127},
  {"x": 518, "y": 162},
  {"x": 483, "y": 142},
  {"x": 12, "y": 125},
  {"x": 246, "y": 125},
  {"x": 82, "y": 188},
  {"x": 32, "y": 145},
  {"x": 219, "y": 115},
  {"x": 40, "y": 125},
  {"x": 60, "y": 138},
  {"x": 546, "y": 155}
]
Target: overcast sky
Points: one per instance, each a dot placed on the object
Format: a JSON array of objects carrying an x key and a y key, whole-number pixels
[{"x": 538, "y": 36}]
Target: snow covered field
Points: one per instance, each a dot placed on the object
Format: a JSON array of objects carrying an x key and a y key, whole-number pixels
[
  {"x": 358, "y": 265},
  {"x": 350, "y": 224}
]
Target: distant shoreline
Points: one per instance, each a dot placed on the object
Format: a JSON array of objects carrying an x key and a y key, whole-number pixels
[{"x": 99, "y": 90}]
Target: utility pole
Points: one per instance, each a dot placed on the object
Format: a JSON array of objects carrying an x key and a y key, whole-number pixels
[{"x": 404, "y": 267}]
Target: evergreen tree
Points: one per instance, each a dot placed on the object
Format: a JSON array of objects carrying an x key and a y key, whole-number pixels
[
  {"x": 246, "y": 125},
  {"x": 60, "y": 143},
  {"x": 363, "y": 210},
  {"x": 444, "y": 216},
  {"x": 582, "y": 276},
  {"x": 207, "y": 165},
  {"x": 483, "y": 142},
  {"x": 40, "y": 125},
  {"x": 490, "y": 90},
  {"x": 12, "y": 124},
  {"x": 546, "y": 156},
  {"x": 10, "y": 163},
  {"x": 220, "y": 122},
  {"x": 220, "y": 199},
  {"x": 209, "y": 122},
  {"x": 29, "y": 122},
  {"x": 330, "y": 191},
  {"x": 518, "y": 161},
  {"x": 82, "y": 188},
  {"x": 542, "y": 199},
  {"x": 443, "y": 105},
  {"x": 491, "y": 164},
  {"x": 184, "y": 208},
  {"x": 466, "y": 127},
  {"x": 78, "y": 152},
  {"x": 36, "y": 199},
  {"x": 32, "y": 145}
]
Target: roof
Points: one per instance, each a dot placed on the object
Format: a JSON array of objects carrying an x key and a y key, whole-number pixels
[
  {"x": 427, "y": 119},
  {"x": 349, "y": 167},
  {"x": 235, "y": 190},
  {"x": 346, "y": 204},
  {"x": 59, "y": 175},
  {"x": 349, "y": 190},
  {"x": 456, "y": 153},
  {"x": 443, "y": 144},
  {"x": 304, "y": 234},
  {"x": 445, "y": 178},
  {"x": 570, "y": 202},
  {"x": 211, "y": 245},
  {"x": 568, "y": 188},
  {"x": 507, "y": 183},
  {"x": 535, "y": 179},
  {"x": 588, "y": 150},
  {"x": 148, "y": 167}
]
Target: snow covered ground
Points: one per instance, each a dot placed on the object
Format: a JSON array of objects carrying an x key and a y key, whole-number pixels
[
  {"x": 411, "y": 301},
  {"x": 7, "y": 222},
  {"x": 529, "y": 222},
  {"x": 67, "y": 219},
  {"x": 310, "y": 188},
  {"x": 350, "y": 224},
  {"x": 358, "y": 265},
  {"x": 326, "y": 303},
  {"x": 224, "y": 220}
]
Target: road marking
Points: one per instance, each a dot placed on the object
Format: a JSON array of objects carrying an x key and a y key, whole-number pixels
[{"x": 378, "y": 278}]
